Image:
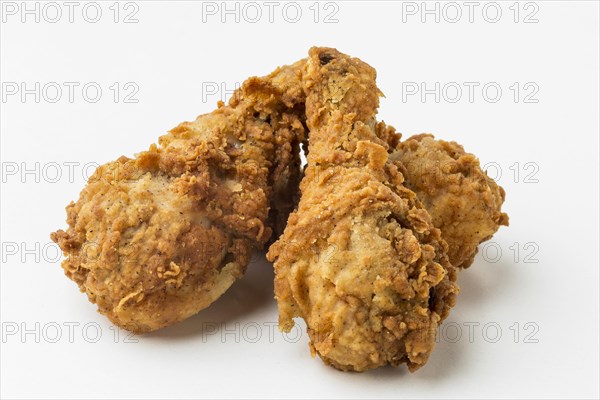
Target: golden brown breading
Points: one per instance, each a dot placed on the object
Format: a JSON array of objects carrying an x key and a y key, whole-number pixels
[
  {"x": 462, "y": 200},
  {"x": 359, "y": 260},
  {"x": 155, "y": 239}
]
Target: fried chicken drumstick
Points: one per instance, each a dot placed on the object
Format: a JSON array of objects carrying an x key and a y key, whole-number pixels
[
  {"x": 155, "y": 239},
  {"x": 463, "y": 201},
  {"x": 360, "y": 259}
]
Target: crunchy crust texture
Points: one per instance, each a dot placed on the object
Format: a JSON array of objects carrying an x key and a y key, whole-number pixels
[
  {"x": 462, "y": 200},
  {"x": 360, "y": 259},
  {"x": 154, "y": 239}
]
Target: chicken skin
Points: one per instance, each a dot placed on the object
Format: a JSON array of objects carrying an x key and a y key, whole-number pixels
[
  {"x": 154, "y": 239},
  {"x": 360, "y": 259},
  {"x": 463, "y": 201}
]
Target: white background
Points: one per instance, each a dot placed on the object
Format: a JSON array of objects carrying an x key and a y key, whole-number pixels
[{"x": 176, "y": 59}]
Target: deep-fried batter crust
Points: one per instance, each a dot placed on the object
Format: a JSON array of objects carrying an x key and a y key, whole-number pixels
[
  {"x": 462, "y": 200},
  {"x": 154, "y": 239},
  {"x": 360, "y": 260}
]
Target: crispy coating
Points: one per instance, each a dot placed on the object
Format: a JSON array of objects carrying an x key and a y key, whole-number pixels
[
  {"x": 360, "y": 259},
  {"x": 462, "y": 200},
  {"x": 155, "y": 239}
]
